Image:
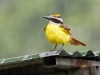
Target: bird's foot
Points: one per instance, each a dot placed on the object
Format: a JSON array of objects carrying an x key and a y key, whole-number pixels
[
  {"x": 60, "y": 50},
  {"x": 52, "y": 50},
  {"x": 57, "y": 51}
]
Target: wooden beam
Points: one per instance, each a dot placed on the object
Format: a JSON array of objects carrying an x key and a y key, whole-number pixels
[{"x": 76, "y": 62}]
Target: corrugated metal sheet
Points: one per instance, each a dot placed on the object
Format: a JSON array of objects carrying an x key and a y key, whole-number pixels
[
  {"x": 88, "y": 54},
  {"x": 21, "y": 58}
]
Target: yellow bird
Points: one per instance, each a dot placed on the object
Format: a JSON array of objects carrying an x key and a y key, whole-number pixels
[{"x": 58, "y": 33}]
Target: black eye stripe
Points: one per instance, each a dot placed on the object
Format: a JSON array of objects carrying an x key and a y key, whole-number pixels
[{"x": 56, "y": 21}]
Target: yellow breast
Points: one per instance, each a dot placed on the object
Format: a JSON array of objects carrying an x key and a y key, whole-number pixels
[{"x": 56, "y": 35}]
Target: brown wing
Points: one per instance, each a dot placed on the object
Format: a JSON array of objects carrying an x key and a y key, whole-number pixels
[
  {"x": 45, "y": 28},
  {"x": 66, "y": 28},
  {"x": 72, "y": 41}
]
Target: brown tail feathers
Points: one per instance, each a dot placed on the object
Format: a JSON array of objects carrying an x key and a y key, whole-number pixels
[{"x": 75, "y": 42}]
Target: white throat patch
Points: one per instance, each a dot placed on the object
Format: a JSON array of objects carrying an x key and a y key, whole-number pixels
[{"x": 53, "y": 23}]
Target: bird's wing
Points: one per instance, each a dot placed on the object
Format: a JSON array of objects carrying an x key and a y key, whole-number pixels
[
  {"x": 72, "y": 40},
  {"x": 45, "y": 28},
  {"x": 66, "y": 28}
]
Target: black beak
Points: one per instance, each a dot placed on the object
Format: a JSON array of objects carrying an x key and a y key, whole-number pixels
[{"x": 47, "y": 17}]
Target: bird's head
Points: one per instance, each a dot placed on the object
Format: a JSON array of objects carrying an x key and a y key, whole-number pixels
[{"x": 54, "y": 18}]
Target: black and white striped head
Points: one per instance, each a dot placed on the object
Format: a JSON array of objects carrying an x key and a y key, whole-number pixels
[{"x": 56, "y": 18}]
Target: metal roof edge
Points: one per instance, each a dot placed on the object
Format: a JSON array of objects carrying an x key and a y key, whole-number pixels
[{"x": 87, "y": 54}]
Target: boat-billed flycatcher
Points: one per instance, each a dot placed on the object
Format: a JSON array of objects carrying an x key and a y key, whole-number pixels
[{"x": 58, "y": 33}]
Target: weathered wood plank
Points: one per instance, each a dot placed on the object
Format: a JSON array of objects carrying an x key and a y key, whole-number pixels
[
  {"x": 81, "y": 71},
  {"x": 98, "y": 70},
  {"x": 56, "y": 73},
  {"x": 76, "y": 62}
]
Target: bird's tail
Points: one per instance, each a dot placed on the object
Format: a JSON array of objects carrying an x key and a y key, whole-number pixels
[{"x": 75, "y": 42}]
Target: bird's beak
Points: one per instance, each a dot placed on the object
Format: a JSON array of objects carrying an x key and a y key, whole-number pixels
[{"x": 47, "y": 17}]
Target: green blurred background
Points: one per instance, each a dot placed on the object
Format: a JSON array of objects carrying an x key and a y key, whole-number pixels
[{"x": 22, "y": 25}]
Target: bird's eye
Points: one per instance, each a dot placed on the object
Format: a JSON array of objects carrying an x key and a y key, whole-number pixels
[{"x": 57, "y": 21}]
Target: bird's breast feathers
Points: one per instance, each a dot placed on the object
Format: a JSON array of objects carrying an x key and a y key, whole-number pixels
[{"x": 56, "y": 35}]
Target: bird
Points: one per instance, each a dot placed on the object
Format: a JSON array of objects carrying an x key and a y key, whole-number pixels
[{"x": 58, "y": 33}]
